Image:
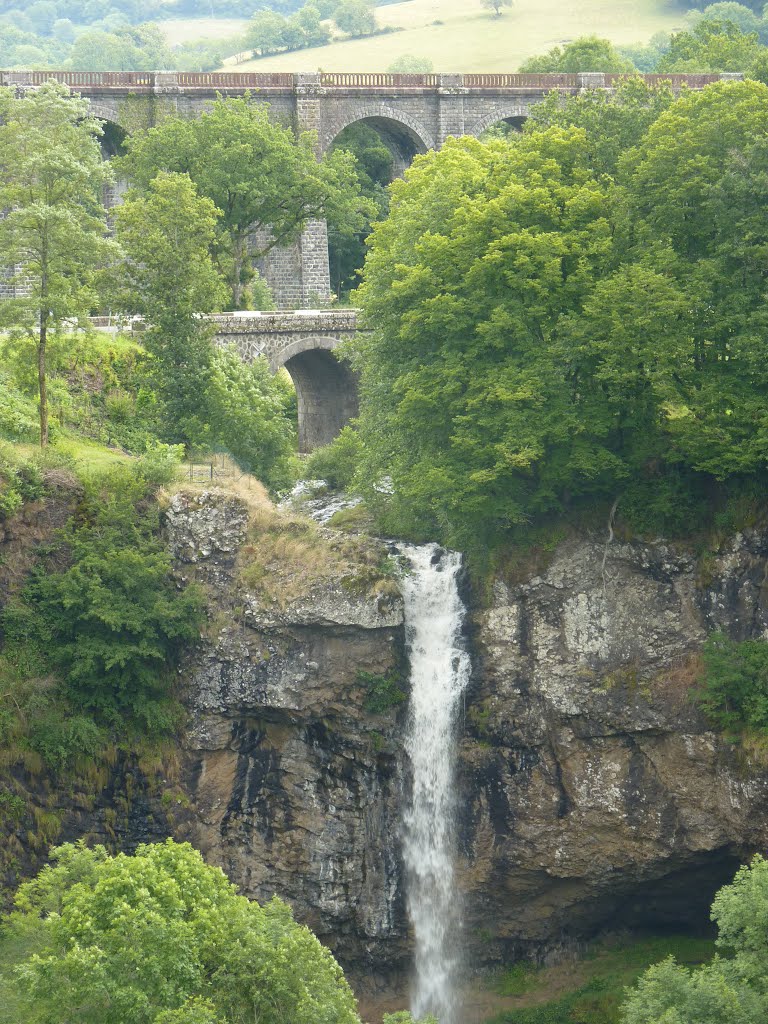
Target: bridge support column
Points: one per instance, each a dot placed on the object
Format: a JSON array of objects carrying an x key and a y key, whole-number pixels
[
  {"x": 450, "y": 113},
  {"x": 299, "y": 275}
]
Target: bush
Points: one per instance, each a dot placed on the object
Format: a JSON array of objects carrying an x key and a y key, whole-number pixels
[
  {"x": 382, "y": 692},
  {"x": 734, "y": 694},
  {"x": 106, "y": 609},
  {"x": 18, "y": 413},
  {"x": 337, "y": 462}
]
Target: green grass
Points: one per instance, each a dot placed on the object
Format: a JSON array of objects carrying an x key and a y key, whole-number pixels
[
  {"x": 471, "y": 39},
  {"x": 189, "y": 30},
  {"x": 592, "y": 990}
]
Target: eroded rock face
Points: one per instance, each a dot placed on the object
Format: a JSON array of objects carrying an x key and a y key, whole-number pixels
[
  {"x": 295, "y": 786},
  {"x": 592, "y": 791}
]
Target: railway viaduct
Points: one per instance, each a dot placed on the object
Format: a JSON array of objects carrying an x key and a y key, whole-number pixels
[{"x": 411, "y": 113}]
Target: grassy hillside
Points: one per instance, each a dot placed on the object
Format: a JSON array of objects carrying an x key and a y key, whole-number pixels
[
  {"x": 188, "y": 30},
  {"x": 467, "y": 38}
]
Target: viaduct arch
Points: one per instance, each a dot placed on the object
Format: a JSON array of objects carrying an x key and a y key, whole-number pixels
[{"x": 304, "y": 343}]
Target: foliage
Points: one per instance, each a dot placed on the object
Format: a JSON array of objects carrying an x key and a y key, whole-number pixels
[
  {"x": 337, "y": 462},
  {"x": 161, "y": 938},
  {"x": 219, "y": 151},
  {"x": 727, "y": 991},
  {"x": 711, "y": 46},
  {"x": 20, "y": 480},
  {"x": 169, "y": 277},
  {"x": 496, "y": 5},
  {"x": 588, "y": 53},
  {"x": 355, "y": 17},
  {"x": 111, "y": 619},
  {"x": 269, "y": 32},
  {"x": 734, "y": 691},
  {"x": 594, "y": 986},
  {"x": 374, "y": 169},
  {"x": 52, "y": 232},
  {"x": 250, "y": 416},
  {"x": 382, "y": 692},
  {"x": 571, "y": 316},
  {"x": 408, "y": 64},
  {"x": 18, "y": 414}
]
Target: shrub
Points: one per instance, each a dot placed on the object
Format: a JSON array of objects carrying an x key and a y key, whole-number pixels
[
  {"x": 336, "y": 463},
  {"x": 734, "y": 692},
  {"x": 106, "y": 609},
  {"x": 382, "y": 692}
]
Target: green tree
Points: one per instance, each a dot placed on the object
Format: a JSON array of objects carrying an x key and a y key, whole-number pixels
[
  {"x": 111, "y": 618},
  {"x": 588, "y": 53},
  {"x": 220, "y": 150},
  {"x": 463, "y": 405},
  {"x": 249, "y": 410},
  {"x": 711, "y": 46},
  {"x": 409, "y": 64},
  {"x": 727, "y": 991},
  {"x": 169, "y": 277},
  {"x": 53, "y": 234},
  {"x": 355, "y": 17},
  {"x": 374, "y": 168},
  {"x": 161, "y": 938},
  {"x": 265, "y": 33},
  {"x": 696, "y": 193},
  {"x": 614, "y": 122}
]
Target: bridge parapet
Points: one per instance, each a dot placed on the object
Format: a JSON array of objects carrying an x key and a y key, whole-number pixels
[
  {"x": 282, "y": 335},
  {"x": 150, "y": 82}
]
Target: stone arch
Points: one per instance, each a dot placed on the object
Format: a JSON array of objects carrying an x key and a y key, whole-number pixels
[
  {"x": 516, "y": 113},
  {"x": 106, "y": 112},
  {"x": 385, "y": 118},
  {"x": 326, "y": 389}
]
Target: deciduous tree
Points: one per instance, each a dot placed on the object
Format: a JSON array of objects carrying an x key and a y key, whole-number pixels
[
  {"x": 162, "y": 938},
  {"x": 53, "y": 233},
  {"x": 266, "y": 183}
]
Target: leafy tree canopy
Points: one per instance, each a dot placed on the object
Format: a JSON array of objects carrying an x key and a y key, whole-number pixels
[
  {"x": 220, "y": 151},
  {"x": 727, "y": 991},
  {"x": 162, "y": 938},
  {"x": 555, "y": 323},
  {"x": 711, "y": 46},
  {"x": 588, "y": 53}
]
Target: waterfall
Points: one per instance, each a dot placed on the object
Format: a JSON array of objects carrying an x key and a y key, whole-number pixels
[{"x": 434, "y": 615}]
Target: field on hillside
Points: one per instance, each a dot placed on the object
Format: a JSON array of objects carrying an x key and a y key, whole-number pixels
[
  {"x": 458, "y": 35},
  {"x": 187, "y": 30}
]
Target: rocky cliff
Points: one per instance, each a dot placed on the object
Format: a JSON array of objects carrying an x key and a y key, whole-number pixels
[{"x": 592, "y": 793}]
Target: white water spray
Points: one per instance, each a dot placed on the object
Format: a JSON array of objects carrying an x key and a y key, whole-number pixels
[{"x": 434, "y": 616}]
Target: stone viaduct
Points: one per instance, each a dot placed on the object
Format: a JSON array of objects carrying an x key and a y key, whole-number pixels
[{"x": 411, "y": 113}]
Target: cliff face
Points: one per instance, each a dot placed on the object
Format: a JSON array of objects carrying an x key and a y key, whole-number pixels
[
  {"x": 591, "y": 791},
  {"x": 592, "y": 794},
  {"x": 295, "y": 786}
]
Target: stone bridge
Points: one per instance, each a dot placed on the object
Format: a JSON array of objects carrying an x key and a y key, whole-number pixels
[{"x": 303, "y": 342}]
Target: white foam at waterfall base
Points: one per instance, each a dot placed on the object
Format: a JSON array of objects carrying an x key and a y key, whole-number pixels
[{"x": 439, "y": 668}]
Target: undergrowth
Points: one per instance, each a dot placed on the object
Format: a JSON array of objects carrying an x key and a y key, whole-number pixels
[{"x": 597, "y": 983}]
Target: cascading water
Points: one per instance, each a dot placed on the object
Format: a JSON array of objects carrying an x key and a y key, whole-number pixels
[{"x": 434, "y": 616}]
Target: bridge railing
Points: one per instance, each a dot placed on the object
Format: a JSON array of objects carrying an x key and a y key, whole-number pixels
[
  {"x": 150, "y": 81},
  {"x": 555, "y": 81},
  {"x": 377, "y": 80},
  {"x": 675, "y": 80}
]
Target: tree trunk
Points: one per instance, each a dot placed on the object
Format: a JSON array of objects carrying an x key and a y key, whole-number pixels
[
  {"x": 41, "y": 381},
  {"x": 239, "y": 255}
]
